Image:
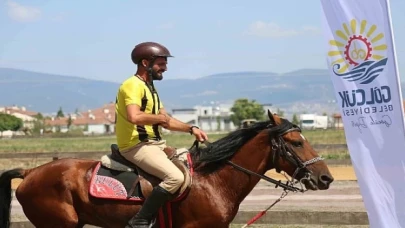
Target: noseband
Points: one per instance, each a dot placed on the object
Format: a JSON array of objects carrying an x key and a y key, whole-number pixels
[{"x": 281, "y": 149}]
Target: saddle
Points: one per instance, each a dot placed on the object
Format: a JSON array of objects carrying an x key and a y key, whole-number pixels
[
  {"x": 179, "y": 157},
  {"x": 116, "y": 155}
]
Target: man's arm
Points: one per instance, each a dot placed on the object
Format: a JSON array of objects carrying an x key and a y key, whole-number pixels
[
  {"x": 132, "y": 95},
  {"x": 136, "y": 116},
  {"x": 174, "y": 124}
]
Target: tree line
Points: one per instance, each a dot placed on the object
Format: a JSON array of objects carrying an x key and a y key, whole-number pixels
[
  {"x": 242, "y": 109},
  {"x": 250, "y": 109},
  {"x": 10, "y": 122}
]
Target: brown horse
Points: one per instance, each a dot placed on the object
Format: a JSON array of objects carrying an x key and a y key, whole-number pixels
[{"x": 224, "y": 172}]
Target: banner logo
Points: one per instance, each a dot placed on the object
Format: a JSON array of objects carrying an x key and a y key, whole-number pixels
[{"x": 358, "y": 52}]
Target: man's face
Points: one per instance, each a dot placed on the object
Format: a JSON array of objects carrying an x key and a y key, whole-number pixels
[{"x": 159, "y": 66}]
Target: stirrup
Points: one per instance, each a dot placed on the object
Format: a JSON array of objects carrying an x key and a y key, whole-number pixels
[{"x": 141, "y": 223}]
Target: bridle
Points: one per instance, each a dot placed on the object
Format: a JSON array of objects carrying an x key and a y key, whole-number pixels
[{"x": 281, "y": 149}]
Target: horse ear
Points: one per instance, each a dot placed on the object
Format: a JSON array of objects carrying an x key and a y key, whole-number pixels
[{"x": 271, "y": 117}]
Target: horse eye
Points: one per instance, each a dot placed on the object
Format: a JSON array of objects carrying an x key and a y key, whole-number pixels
[{"x": 297, "y": 144}]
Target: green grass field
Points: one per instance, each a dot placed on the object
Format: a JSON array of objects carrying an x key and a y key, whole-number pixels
[{"x": 102, "y": 143}]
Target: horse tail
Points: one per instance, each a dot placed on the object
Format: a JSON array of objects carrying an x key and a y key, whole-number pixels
[{"x": 6, "y": 194}]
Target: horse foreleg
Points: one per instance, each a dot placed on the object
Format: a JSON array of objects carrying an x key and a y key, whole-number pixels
[
  {"x": 44, "y": 211},
  {"x": 56, "y": 215}
]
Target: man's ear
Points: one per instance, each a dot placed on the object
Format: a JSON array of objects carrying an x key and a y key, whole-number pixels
[{"x": 145, "y": 63}]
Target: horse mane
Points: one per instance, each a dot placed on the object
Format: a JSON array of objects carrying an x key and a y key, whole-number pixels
[{"x": 211, "y": 157}]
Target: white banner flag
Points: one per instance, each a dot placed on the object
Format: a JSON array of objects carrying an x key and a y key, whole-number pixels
[{"x": 363, "y": 68}]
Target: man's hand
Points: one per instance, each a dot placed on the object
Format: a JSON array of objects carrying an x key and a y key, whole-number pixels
[
  {"x": 165, "y": 120},
  {"x": 173, "y": 124},
  {"x": 199, "y": 134}
]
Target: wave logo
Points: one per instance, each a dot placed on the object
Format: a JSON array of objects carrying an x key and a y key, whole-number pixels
[{"x": 359, "y": 53}]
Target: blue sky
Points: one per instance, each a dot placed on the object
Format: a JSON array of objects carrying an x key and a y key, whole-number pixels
[{"x": 93, "y": 39}]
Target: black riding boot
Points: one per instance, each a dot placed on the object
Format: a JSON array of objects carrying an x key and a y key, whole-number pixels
[{"x": 149, "y": 208}]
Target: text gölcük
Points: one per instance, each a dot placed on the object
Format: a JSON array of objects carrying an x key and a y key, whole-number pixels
[{"x": 360, "y": 97}]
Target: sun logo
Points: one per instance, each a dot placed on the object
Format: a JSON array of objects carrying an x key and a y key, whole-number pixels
[{"x": 358, "y": 54}]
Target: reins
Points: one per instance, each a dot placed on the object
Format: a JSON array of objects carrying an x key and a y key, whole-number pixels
[{"x": 285, "y": 186}]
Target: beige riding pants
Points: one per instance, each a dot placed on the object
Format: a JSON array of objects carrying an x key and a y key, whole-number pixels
[{"x": 150, "y": 157}]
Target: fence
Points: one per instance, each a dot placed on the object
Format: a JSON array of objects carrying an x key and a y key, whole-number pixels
[{"x": 98, "y": 154}]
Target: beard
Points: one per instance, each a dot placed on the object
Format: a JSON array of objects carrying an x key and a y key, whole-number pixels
[{"x": 157, "y": 75}]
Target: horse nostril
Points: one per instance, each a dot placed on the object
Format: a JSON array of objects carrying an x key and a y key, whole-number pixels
[{"x": 326, "y": 179}]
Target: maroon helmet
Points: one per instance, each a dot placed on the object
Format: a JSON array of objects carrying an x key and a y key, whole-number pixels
[{"x": 149, "y": 51}]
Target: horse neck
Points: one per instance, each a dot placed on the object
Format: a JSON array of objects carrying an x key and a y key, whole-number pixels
[{"x": 234, "y": 184}]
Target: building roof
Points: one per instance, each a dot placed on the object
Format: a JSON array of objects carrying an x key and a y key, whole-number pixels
[
  {"x": 102, "y": 115},
  {"x": 21, "y": 110}
]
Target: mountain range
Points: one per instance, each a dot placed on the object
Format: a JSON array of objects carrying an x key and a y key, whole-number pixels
[{"x": 307, "y": 90}]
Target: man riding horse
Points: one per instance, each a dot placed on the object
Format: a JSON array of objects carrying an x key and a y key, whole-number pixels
[
  {"x": 139, "y": 112},
  {"x": 58, "y": 193}
]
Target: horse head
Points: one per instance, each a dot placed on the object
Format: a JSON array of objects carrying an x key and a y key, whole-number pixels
[
  {"x": 262, "y": 146},
  {"x": 292, "y": 153}
]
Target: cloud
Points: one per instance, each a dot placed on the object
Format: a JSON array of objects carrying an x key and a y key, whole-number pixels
[
  {"x": 273, "y": 30},
  {"x": 22, "y": 13},
  {"x": 207, "y": 93},
  {"x": 276, "y": 86},
  {"x": 204, "y": 93},
  {"x": 311, "y": 29}
]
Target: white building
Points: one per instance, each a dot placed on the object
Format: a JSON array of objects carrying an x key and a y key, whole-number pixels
[
  {"x": 208, "y": 118},
  {"x": 97, "y": 121},
  {"x": 313, "y": 121},
  {"x": 28, "y": 118},
  {"x": 186, "y": 115}
]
